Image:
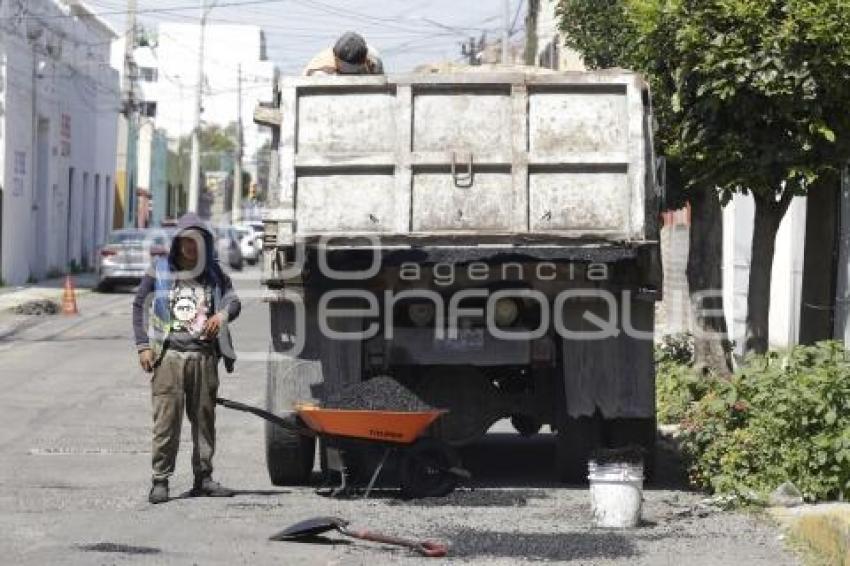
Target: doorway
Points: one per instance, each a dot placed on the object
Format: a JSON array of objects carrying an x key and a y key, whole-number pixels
[
  {"x": 69, "y": 223},
  {"x": 98, "y": 214},
  {"x": 86, "y": 213},
  {"x": 40, "y": 224}
]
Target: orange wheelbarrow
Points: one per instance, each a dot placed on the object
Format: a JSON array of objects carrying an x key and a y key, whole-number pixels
[{"x": 427, "y": 466}]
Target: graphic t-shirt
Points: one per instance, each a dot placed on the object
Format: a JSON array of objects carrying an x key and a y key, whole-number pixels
[{"x": 191, "y": 306}]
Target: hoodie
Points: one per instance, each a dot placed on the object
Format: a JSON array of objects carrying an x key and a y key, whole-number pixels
[{"x": 155, "y": 296}]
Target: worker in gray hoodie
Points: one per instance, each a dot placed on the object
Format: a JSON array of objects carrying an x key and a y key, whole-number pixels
[{"x": 188, "y": 302}]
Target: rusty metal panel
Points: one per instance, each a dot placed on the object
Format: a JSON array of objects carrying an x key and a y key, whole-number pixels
[
  {"x": 348, "y": 122},
  {"x": 614, "y": 375},
  {"x": 343, "y": 202},
  {"x": 462, "y": 121},
  {"x": 563, "y": 154},
  {"x": 440, "y": 204},
  {"x": 591, "y": 201},
  {"x": 589, "y": 121}
]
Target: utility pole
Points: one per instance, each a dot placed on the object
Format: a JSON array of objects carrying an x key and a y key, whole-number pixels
[
  {"x": 468, "y": 49},
  {"x": 237, "y": 168},
  {"x": 126, "y": 165},
  {"x": 506, "y": 31},
  {"x": 33, "y": 35},
  {"x": 129, "y": 51},
  {"x": 195, "y": 169},
  {"x": 473, "y": 50}
]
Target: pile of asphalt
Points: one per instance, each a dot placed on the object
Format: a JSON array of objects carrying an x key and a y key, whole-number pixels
[
  {"x": 37, "y": 307},
  {"x": 380, "y": 393}
]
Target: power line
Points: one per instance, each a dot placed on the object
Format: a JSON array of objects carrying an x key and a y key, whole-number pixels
[
  {"x": 165, "y": 10},
  {"x": 516, "y": 16}
]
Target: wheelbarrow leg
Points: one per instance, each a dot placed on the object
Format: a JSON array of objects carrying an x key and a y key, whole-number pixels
[
  {"x": 335, "y": 462},
  {"x": 376, "y": 473}
]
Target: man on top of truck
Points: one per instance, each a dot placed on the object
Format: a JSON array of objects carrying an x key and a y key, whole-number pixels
[{"x": 349, "y": 56}]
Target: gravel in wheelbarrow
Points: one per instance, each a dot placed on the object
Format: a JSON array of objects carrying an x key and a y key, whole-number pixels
[{"x": 380, "y": 393}]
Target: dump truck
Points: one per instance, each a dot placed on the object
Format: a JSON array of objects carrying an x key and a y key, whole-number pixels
[{"x": 489, "y": 239}]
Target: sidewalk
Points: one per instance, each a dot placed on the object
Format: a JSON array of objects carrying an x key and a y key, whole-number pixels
[{"x": 11, "y": 297}]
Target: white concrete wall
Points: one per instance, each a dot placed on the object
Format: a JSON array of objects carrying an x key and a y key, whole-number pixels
[
  {"x": 548, "y": 35},
  {"x": 76, "y": 100},
  {"x": 673, "y": 315},
  {"x": 786, "y": 278}
]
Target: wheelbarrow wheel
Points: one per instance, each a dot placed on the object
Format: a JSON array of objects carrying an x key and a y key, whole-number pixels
[{"x": 426, "y": 469}]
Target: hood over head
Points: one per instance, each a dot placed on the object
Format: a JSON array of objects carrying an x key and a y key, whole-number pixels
[{"x": 191, "y": 221}]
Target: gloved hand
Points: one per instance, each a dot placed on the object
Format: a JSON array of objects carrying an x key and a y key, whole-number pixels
[{"x": 146, "y": 360}]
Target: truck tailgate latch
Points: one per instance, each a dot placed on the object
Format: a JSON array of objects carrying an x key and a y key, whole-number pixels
[{"x": 462, "y": 180}]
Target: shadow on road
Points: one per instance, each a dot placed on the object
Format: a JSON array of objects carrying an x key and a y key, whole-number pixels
[
  {"x": 503, "y": 459},
  {"x": 560, "y": 547},
  {"x": 510, "y": 460},
  {"x": 238, "y": 492},
  {"x": 510, "y": 469}
]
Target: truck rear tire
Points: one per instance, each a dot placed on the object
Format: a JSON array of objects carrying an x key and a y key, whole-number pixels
[
  {"x": 636, "y": 432},
  {"x": 576, "y": 439},
  {"x": 289, "y": 455},
  {"x": 426, "y": 469},
  {"x": 525, "y": 425}
]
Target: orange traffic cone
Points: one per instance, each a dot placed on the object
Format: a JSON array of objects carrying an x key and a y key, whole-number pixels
[{"x": 69, "y": 297}]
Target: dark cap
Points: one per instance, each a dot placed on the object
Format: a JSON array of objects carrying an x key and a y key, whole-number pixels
[{"x": 351, "y": 48}]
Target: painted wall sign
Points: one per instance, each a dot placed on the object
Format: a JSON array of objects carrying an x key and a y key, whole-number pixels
[
  {"x": 21, "y": 163},
  {"x": 65, "y": 135},
  {"x": 19, "y": 169}
]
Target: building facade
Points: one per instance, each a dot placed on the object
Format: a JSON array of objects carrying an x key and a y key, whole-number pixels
[
  {"x": 60, "y": 101},
  {"x": 786, "y": 278},
  {"x": 544, "y": 40}
]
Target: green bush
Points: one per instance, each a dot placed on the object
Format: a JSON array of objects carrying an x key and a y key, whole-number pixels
[
  {"x": 780, "y": 417},
  {"x": 676, "y": 348},
  {"x": 677, "y": 388},
  {"x": 677, "y": 384}
]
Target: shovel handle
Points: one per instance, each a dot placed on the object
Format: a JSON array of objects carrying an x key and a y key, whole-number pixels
[{"x": 427, "y": 548}]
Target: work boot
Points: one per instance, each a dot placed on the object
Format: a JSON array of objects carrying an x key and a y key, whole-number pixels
[
  {"x": 159, "y": 492},
  {"x": 207, "y": 487}
]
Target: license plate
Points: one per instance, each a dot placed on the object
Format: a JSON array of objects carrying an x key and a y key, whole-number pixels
[{"x": 468, "y": 339}]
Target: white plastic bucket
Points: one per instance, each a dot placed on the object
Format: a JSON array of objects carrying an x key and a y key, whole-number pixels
[{"x": 616, "y": 494}]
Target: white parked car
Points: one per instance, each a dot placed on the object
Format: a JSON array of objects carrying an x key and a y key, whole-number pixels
[
  {"x": 228, "y": 250},
  {"x": 248, "y": 243},
  {"x": 257, "y": 227}
]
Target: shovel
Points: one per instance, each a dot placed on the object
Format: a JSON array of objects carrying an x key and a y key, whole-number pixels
[{"x": 310, "y": 528}]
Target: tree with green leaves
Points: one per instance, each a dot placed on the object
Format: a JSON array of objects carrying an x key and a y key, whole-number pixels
[
  {"x": 751, "y": 98},
  {"x": 606, "y": 34},
  {"x": 218, "y": 148}
]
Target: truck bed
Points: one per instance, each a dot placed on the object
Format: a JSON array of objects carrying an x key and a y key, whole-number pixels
[{"x": 501, "y": 157}]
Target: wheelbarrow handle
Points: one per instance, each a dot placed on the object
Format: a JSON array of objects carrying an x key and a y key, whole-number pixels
[
  {"x": 293, "y": 424},
  {"x": 427, "y": 548}
]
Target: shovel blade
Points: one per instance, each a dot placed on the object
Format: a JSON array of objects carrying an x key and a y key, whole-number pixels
[{"x": 310, "y": 528}]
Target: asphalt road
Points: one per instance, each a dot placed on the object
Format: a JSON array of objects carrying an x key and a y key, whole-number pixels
[{"x": 75, "y": 470}]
